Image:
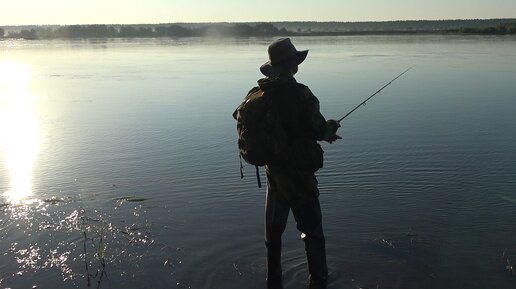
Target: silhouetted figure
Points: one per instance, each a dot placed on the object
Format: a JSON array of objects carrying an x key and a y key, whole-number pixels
[{"x": 291, "y": 181}]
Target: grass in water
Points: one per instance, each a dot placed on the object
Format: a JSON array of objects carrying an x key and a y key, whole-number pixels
[{"x": 131, "y": 199}]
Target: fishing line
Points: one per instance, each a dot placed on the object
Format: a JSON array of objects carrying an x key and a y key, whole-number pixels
[{"x": 378, "y": 91}]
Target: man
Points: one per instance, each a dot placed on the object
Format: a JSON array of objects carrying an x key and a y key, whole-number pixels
[{"x": 291, "y": 182}]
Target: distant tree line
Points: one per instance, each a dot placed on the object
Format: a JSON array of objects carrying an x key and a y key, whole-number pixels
[
  {"x": 174, "y": 30},
  {"x": 489, "y": 26},
  {"x": 500, "y": 30},
  {"x": 390, "y": 26}
]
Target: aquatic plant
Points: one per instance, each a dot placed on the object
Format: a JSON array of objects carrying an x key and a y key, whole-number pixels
[
  {"x": 131, "y": 199},
  {"x": 99, "y": 248},
  {"x": 509, "y": 265}
]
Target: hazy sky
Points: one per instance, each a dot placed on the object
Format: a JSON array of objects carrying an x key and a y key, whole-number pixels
[{"x": 20, "y": 12}]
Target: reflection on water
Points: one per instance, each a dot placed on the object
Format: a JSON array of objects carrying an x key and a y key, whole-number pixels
[
  {"x": 18, "y": 129},
  {"x": 81, "y": 245}
]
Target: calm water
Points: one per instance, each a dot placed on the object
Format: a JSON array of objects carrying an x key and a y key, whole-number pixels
[{"x": 420, "y": 193}]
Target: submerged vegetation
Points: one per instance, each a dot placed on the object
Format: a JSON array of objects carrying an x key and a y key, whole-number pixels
[
  {"x": 131, "y": 199},
  {"x": 489, "y": 26},
  {"x": 82, "y": 247}
]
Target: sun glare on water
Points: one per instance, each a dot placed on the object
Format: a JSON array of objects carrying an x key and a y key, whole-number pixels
[{"x": 18, "y": 129}]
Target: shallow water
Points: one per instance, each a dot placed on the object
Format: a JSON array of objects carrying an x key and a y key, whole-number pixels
[{"x": 420, "y": 193}]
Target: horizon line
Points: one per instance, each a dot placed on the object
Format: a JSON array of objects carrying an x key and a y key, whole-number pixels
[{"x": 268, "y": 21}]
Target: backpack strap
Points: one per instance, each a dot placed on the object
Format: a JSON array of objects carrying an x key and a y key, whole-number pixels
[
  {"x": 257, "y": 172},
  {"x": 241, "y": 167},
  {"x": 258, "y": 177}
]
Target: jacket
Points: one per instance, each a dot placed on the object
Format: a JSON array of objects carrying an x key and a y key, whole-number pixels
[{"x": 297, "y": 111}]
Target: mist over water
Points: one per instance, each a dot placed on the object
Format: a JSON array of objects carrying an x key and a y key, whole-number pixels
[{"x": 126, "y": 152}]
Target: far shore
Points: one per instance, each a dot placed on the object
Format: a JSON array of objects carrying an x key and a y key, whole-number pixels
[{"x": 274, "y": 29}]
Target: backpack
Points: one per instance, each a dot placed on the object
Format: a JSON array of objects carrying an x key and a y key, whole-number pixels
[{"x": 260, "y": 133}]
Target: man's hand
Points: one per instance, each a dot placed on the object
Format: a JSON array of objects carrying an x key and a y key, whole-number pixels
[
  {"x": 333, "y": 138},
  {"x": 333, "y": 125},
  {"x": 331, "y": 130}
]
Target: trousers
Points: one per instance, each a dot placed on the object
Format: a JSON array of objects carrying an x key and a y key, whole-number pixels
[{"x": 296, "y": 191}]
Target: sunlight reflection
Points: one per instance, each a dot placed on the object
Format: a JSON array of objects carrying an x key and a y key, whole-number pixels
[{"x": 18, "y": 129}]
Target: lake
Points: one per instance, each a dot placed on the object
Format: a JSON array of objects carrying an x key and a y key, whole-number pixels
[{"x": 120, "y": 166}]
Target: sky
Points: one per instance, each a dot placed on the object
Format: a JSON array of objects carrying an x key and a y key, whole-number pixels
[{"x": 66, "y": 12}]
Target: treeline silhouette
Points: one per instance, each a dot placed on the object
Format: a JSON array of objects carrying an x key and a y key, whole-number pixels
[
  {"x": 488, "y": 27},
  {"x": 174, "y": 30},
  {"x": 500, "y": 30},
  {"x": 389, "y": 26}
]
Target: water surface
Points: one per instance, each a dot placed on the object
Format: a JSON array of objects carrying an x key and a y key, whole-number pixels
[{"x": 420, "y": 193}]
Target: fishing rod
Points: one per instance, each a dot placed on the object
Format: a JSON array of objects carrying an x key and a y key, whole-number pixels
[{"x": 378, "y": 91}]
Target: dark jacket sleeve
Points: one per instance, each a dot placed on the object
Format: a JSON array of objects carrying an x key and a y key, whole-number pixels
[{"x": 315, "y": 121}]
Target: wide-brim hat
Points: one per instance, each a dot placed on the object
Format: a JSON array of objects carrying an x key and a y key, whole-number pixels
[{"x": 282, "y": 56}]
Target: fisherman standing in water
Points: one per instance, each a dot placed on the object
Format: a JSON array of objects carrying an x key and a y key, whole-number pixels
[{"x": 291, "y": 181}]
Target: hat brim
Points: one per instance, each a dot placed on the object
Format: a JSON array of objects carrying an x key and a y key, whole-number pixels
[{"x": 270, "y": 70}]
